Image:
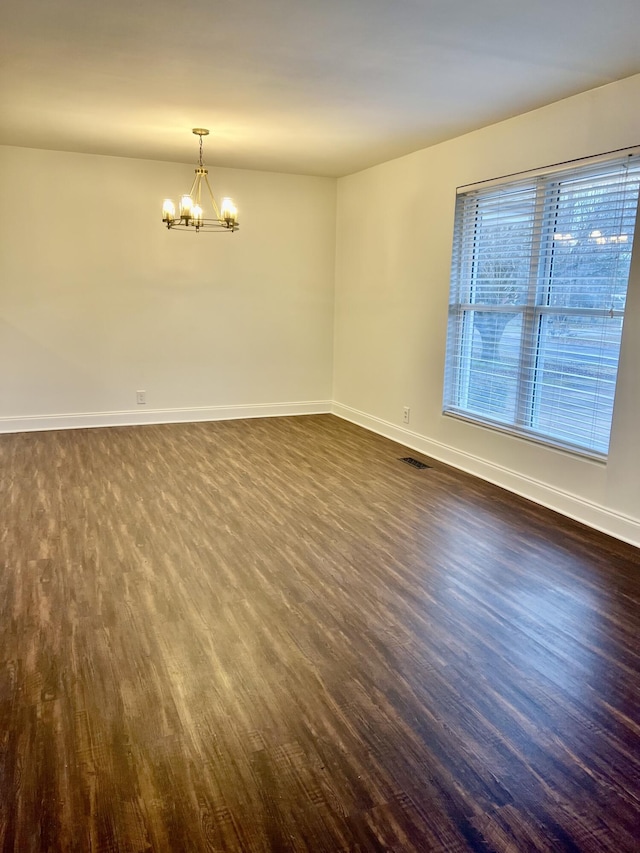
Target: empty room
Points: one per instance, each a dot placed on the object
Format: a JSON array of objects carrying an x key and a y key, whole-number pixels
[{"x": 319, "y": 421}]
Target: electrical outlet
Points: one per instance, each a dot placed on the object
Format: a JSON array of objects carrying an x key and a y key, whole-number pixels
[
  {"x": 405, "y": 414},
  {"x": 141, "y": 398}
]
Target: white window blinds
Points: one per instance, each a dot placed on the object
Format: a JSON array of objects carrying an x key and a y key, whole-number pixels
[{"x": 538, "y": 285}]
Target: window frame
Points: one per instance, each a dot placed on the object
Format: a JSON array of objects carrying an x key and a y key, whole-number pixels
[{"x": 547, "y": 186}]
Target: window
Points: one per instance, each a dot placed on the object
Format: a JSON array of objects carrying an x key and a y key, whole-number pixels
[{"x": 538, "y": 285}]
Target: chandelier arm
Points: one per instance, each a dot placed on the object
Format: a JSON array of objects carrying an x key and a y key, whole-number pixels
[
  {"x": 213, "y": 201},
  {"x": 193, "y": 185}
]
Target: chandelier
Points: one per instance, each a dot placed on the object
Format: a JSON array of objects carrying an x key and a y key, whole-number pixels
[{"x": 190, "y": 212}]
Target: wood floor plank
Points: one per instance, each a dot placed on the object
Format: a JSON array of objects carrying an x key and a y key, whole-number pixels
[{"x": 272, "y": 635}]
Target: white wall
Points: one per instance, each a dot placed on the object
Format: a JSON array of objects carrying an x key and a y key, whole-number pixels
[
  {"x": 393, "y": 255},
  {"x": 98, "y": 299}
]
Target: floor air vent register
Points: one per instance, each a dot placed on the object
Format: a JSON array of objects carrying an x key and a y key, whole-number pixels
[{"x": 415, "y": 463}]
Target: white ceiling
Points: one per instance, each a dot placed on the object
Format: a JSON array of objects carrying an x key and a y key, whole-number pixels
[{"x": 320, "y": 87}]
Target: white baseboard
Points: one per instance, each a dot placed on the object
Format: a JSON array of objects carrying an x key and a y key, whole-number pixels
[
  {"x": 594, "y": 515},
  {"x": 144, "y": 415}
]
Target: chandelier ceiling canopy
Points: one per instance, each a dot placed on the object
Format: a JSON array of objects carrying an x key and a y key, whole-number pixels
[{"x": 191, "y": 215}]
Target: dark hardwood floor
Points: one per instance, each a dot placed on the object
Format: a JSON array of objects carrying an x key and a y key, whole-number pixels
[{"x": 272, "y": 635}]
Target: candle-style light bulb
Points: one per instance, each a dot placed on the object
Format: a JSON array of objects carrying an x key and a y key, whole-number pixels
[
  {"x": 186, "y": 207},
  {"x": 168, "y": 210},
  {"x": 197, "y": 215},
  {"x": 228, "y": 211}
]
